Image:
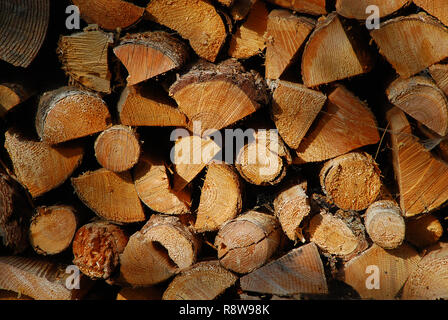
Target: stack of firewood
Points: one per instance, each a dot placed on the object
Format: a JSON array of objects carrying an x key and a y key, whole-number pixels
[{"x": 129, "y": 180}]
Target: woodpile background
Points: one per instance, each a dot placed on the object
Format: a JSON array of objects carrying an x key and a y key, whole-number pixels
[{"x": 349, "y": 205}]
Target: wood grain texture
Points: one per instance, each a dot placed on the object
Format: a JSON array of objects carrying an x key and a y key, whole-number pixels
[
  {"x": 356, "y": 9},
  {"x": 314, "y": 7}
]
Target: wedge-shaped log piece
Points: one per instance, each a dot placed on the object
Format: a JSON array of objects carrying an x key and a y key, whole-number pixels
[
  {"x": 110, "y": 195},
  {"x": 330, "y": 54},
  {"x": 423, "y": 100},
  {"x": 23, "y": 27},
  {"x": 221, "y": 198},
  {"x": 152, "y": 183},
  {"x": 110, "y": 14},
  {"x": 240, "y": 9},
  {"x": 314, "y": 7},
  {"x": 387, "y": 268},
  {"x": 38, "y": 166},
  {"x": 146, "y": 55},
  {"x": 11, "y": 95},
  {"x": 146, "y": 106},
  {"x": 422, "y": 178},
  {"x": 438, "y": 9},
  {"x": 345, "y": 124},
  {"x": 285, "y": 35},
  {"x": 249, "y": 40},
  {"x": 69, "y": 113},
  {"x": 424, "y": 231},
  {"x": 300, "y": 271},
  {"x": 294, "y": 108},
  {"x": 429, "y": 280},
  {"x": 197, "y": 21},
  {"x": 412, "y": 43},
  {"x": 84, "y": 58},
  {"x": 161, "y": 248},
  {"x": 190, "y": 284},
  {"x": 40, "y": 280},
  {"x": 227, "y": 92},
  {"x": 439, "y": 72},
  {"x": 247, "y": 242},
  {"x": 357, "y": 9}
]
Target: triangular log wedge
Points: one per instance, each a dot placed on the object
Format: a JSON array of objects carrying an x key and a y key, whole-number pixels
[
  {"x": 40, "y": 280},
  {"x": 69, "y": 113},
  {"x": 439, "y": 72},
  {"x": 331, "y": 54},
  {"x": 300, "y": 271},
  {"x": 110, "y": 14},
  {"x": 23, "y": 27},
  {"x": 11, "y": 95},
  {"x": 227, "y": 94},
  {"x": 380, "y": 274},
  {"x": 314, "y": 7},
  {"x": 240, "y": 9},
  {"x": 356, "y": 9},
  {"x": 249, "y": 40},
  {"x": 412, "y": 43},
  {"x": 145, "y": 106},
  {"x": 345, "y": 123},
  {"x": 197, "y": 21},
  {"x": 424, "y": 231},
  {"x": 437, "y": 8},
  {"x": 294, "y": 108},
  {"x": 146, "y": 55},
  {"x": 423, "y": 100},
  {"x": 190, "y": 284},
  {"x": 84, "y": 58},
  {"x": 285, "y": 35},
  {"x": 110, "y": 195},
  {"x": 38, "y": 166},
  {"x": 422, "y": 178}
]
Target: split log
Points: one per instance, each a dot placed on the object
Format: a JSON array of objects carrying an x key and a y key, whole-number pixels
[
  {"x": 424, "y": 231},
  {"x": 240, "y": 9},
  {"x": 152, "y": 183},
  {"x": 145, "y": 293},
  {"x": 97, "y": 247},
  {"x": 247, "y": 242},
  {"x": 146, "y": 55},
  {"x": 40, "y": 280},
  {"x": 15, "y": 212},
  {"x": 84, "y": 58},
  {"x": 429, "y": 280},
  {"x": 291, "y": 206},
  {"x": 314, "y": 7},
  {"x": 110, "y": 195},
  {"x": 351, "y": 181},
  {"x": 385, "y": 224},
  {"x": 191, "y": 156},
  {"x": 422, "y": 178},
  {"x": 387, "y": 269},
  {"x": 69, "y": 113},
  {"x": 356, "y": 9},
  {"x": 196, "y": 21},
  {"x": 190, "y": 284},
  {"x": 38, "y": 166},
  {"x": 294, "y": 109},
  {"x": 52, "y": 229},
  {"x": 423, "y": 100},
  {"x": 438, "y": 9},
  {"x": 331, "y": 54},
  {"x": 439, "y": 72},
  {"x": 342, "y": 235},
  {"x": 264, "y": 160},
  {"x": 300, "y": 271},
  {"x": 249, "y": 40},
  {"x": 161, "y": 248},
  {"x": 110, "y": 14},
  {"x": 228, "y": 94},
  {"x": 145, "y": 106},
  {"x": 345, "y": 123},
  {"x": 23, "y": 27},
  {"x": 410, "y": 57},
  {"x": 285, "y": 35},
  {"x": 11, "y": 95},
  {"x": 117, "y": 148},
  {"x": 221, "y": 198}
]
